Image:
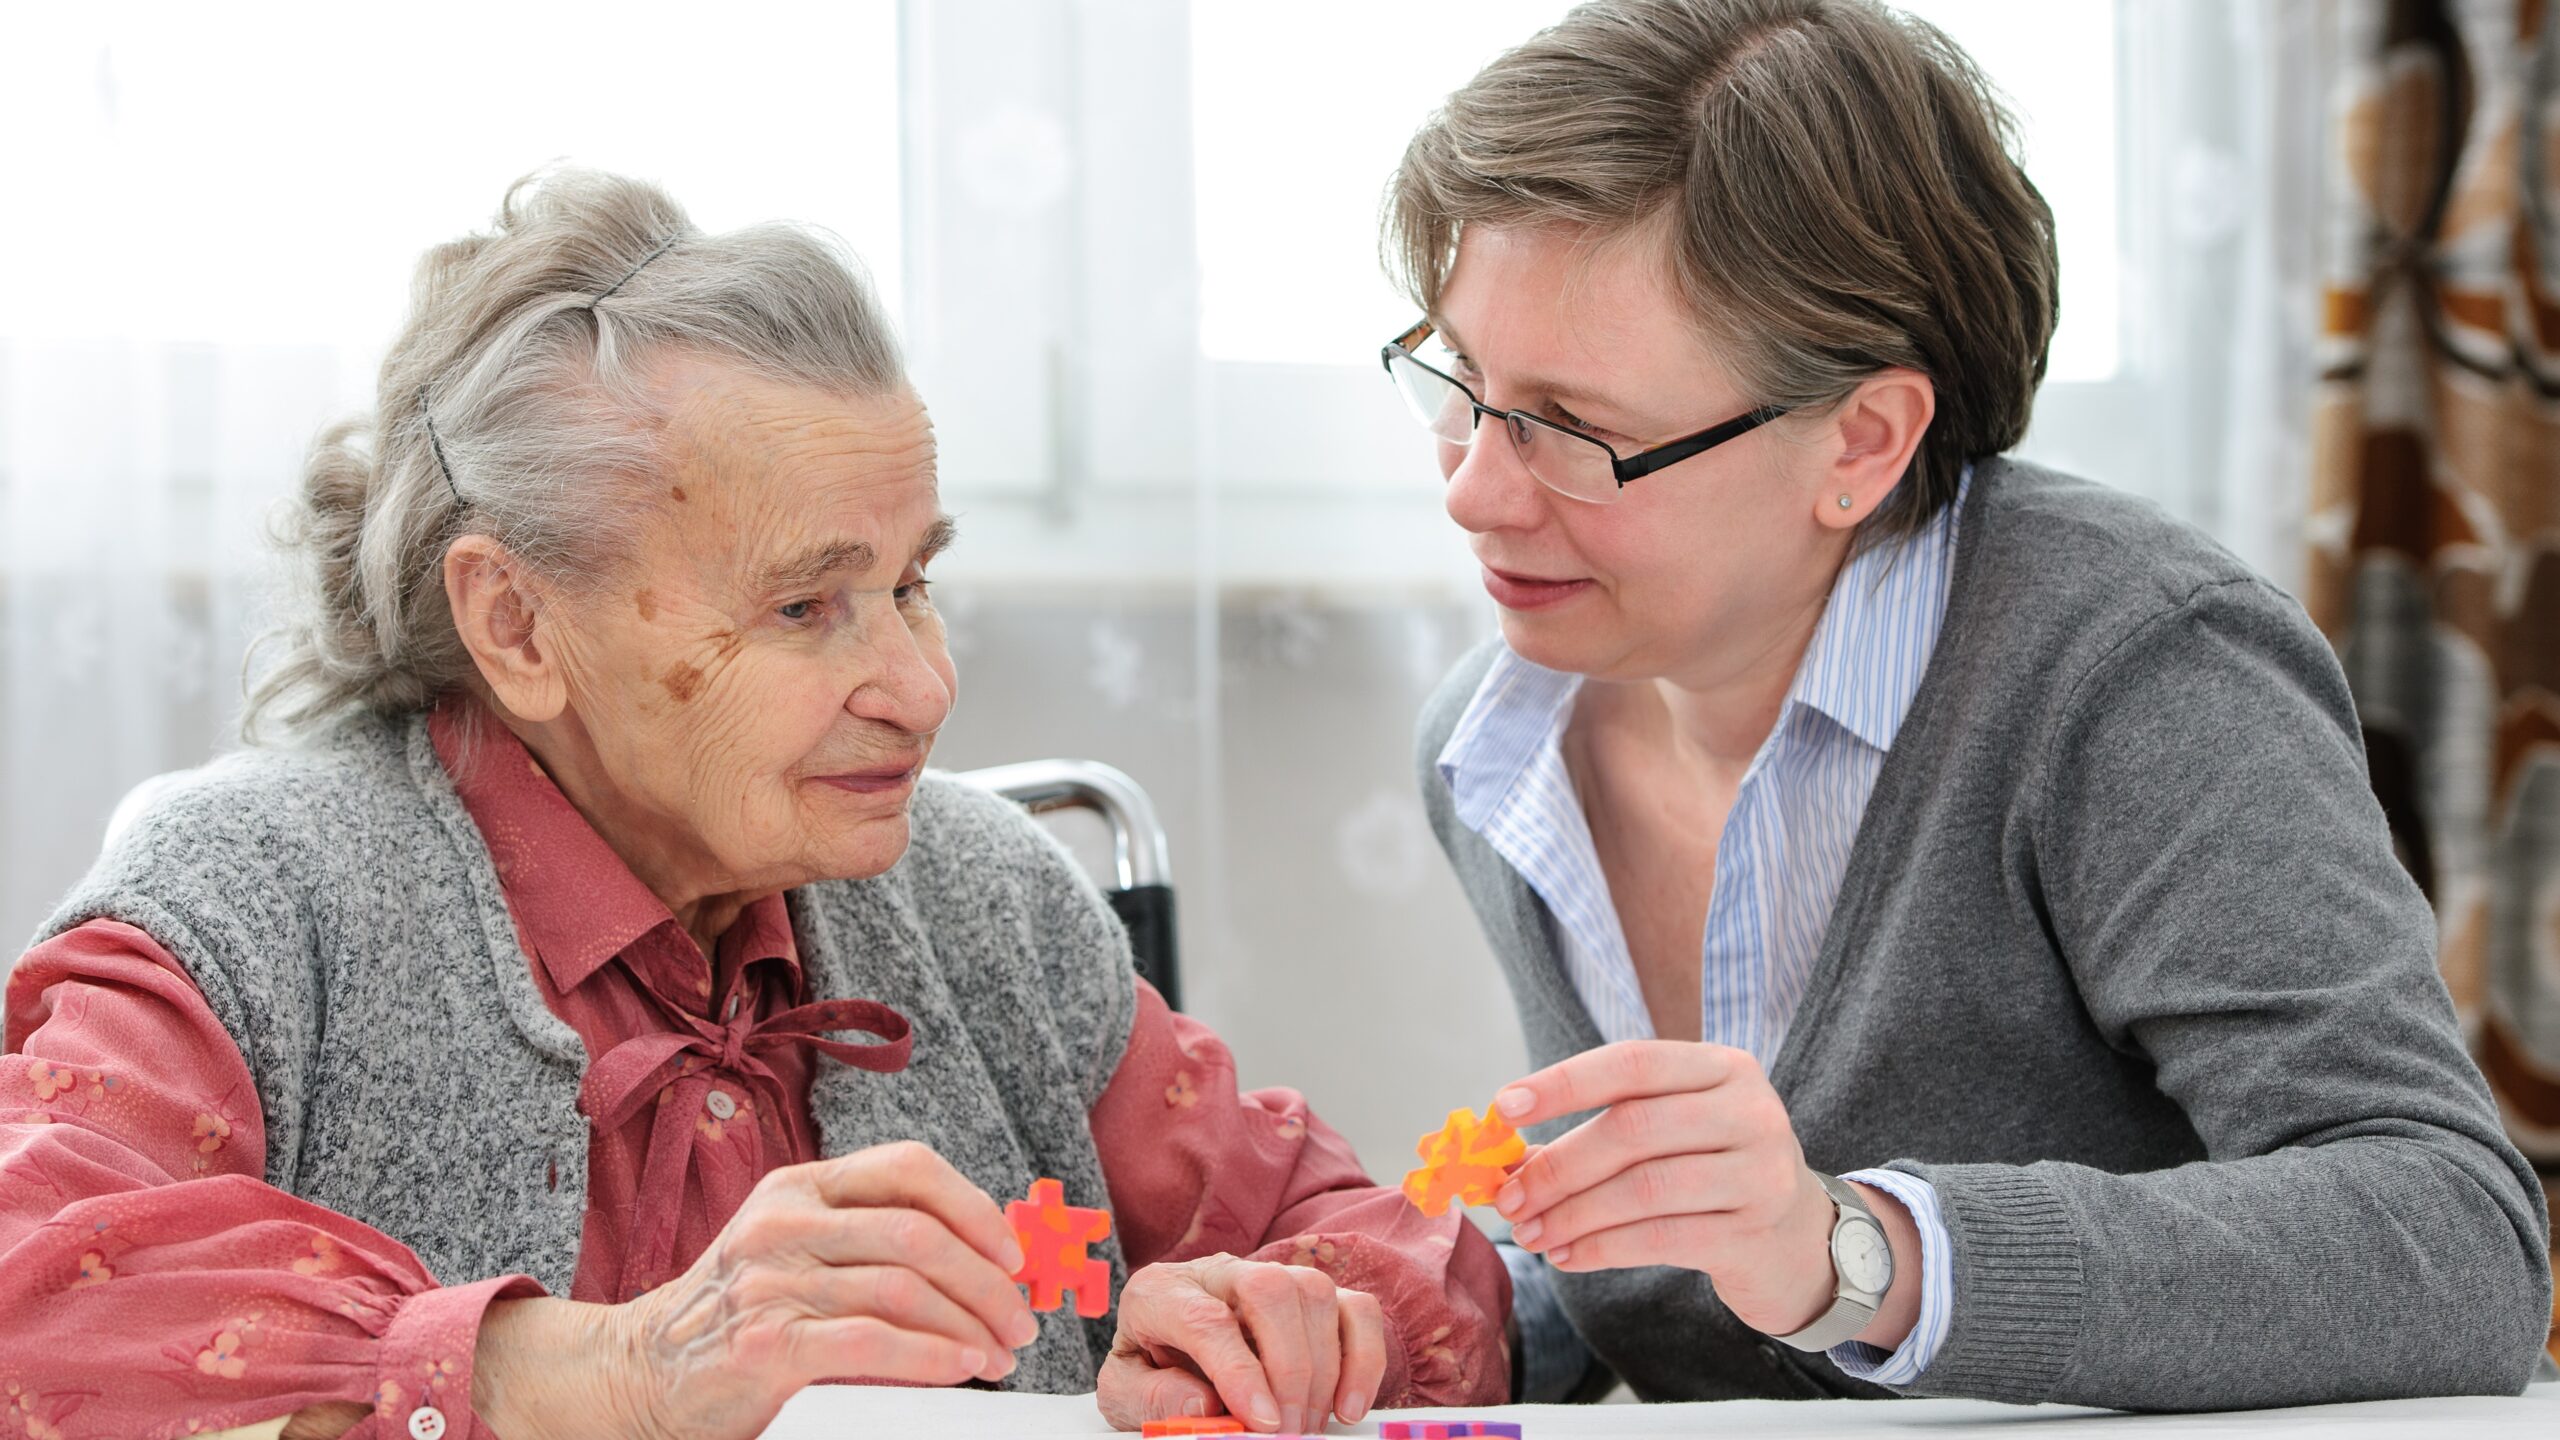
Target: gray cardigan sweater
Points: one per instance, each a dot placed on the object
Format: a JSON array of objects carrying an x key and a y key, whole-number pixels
[
  {"x": 2124, "y": 966},
  {"x": 338, "y": 908}
]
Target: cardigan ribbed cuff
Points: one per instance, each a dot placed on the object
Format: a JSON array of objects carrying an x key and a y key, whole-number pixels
[{"x": 2019, "y": 1288}]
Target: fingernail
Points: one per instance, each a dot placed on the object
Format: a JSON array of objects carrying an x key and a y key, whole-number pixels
[
  {"x": 1195, "y": 1408},
  {"x": 1013, "y": 1259},
  {"x": 1560, "y": 1254},
  {"x": 1528, "y": 1231},
  {"x": 1515, "y": 1101},
  {"x": 1265, "y": 1412},
  {"x": 1025, "y": 1330},
  {"x": 1508, "y": 1198},
  {"x": 1354, "y": 1405},
  {"x": 1006, "y": 1365},
  {"x": 1289, "y": 1421},
  {"x": 973, "y": 1360}
]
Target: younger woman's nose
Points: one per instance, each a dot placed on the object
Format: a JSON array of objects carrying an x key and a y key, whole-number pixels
[{"x": 1489, "y": 489}]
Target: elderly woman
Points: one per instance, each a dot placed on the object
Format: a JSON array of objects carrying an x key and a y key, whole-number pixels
[
  {"x": 528, "y": 974},
  {"x": 1946, "y": 894}
]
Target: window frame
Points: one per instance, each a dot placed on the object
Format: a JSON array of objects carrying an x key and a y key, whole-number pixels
[{"x": 1050, "y": 453}]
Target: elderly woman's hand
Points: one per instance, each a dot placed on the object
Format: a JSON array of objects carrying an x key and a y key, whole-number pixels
[
  {"x": 1278, "y": 1346},
  {"x": 885, "y": 1264}
]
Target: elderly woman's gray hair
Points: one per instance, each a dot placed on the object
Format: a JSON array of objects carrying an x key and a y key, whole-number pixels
[{"x": 514, "y": 404}]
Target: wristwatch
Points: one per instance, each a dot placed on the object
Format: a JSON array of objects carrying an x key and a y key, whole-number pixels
[{"x": 1861, "y": 1266}]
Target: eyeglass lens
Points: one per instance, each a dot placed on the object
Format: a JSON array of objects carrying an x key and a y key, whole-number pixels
[{"x": 1560, "y": 461}]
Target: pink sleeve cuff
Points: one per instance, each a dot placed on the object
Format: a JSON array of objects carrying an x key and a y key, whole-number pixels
[{"x": 423, "y": 1388}]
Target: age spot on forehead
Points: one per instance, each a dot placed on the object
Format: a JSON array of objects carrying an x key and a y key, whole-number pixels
[
  {"x": 676, "y": 493},
  {"x": 646, "y": 604},
  {"x": 682, "y": 681}
]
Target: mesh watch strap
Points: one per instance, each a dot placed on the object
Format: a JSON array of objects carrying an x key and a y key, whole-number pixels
[{"x": 1851, "y": 1308}]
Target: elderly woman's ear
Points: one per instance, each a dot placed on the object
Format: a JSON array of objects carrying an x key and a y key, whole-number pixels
[{"x": 508, "y": 619}]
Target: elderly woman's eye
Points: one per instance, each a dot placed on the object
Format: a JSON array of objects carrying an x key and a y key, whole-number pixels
[
  {"x": 798, "y": 610},
  {"x": 915, "y": 592}
]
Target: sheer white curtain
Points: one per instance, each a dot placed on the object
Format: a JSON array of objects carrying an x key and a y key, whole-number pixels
[{"x": 1132, "y": 244}]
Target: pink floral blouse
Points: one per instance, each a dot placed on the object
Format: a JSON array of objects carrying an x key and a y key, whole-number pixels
[{"x": 151, "y": 1284}]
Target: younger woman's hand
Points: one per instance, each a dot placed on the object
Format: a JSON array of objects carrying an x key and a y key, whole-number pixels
[{"x": 1692, "y": 1161}]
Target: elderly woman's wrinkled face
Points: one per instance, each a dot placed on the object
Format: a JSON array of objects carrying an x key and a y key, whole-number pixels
[{"x": 760, "y": 688}]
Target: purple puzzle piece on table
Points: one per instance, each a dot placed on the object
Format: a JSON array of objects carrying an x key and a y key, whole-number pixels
[{"x": 1449, "y": 1430}]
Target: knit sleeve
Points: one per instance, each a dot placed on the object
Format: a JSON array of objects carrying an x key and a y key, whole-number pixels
[
  {"x": 1087, "y": 955},
  {"x": 2221, "y": 886},
  {"x": 221, "y": 883},
  {"x": 150, "y": 1283}
]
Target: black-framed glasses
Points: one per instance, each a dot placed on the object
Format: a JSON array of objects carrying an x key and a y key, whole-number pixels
[{"x": 1574, "y": 465}]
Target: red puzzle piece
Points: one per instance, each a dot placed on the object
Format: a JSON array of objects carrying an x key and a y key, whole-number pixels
[
  {"x": 1467, "y": 1160},
  {"x": 1207, "y": 1428},
  {"x": 1053, "y": 1235},
  {"x": 1191, "y": 1425}
]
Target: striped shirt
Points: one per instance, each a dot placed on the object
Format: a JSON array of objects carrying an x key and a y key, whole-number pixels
[{"x": 1779, "y": 863}]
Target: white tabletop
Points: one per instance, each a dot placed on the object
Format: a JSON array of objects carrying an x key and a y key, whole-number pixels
[{"x": 838, "y": 1412}]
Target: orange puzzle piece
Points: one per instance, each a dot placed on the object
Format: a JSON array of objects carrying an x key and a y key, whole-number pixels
[
  {"x": 1190, "y": 1425},
  {"x": 1053, "y": 1235},
  {"x": 1467, "y": 1160}
]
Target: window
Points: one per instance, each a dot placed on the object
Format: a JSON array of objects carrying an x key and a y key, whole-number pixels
[
  {"x": 1288, "y": 211},
  {"x": 1132, "y": 243},
  {"x": 270, "y": 176},
  {"x": 212, "y": 216},
  {"x": 1283, "y": 454},
  {"x": 215, "y": 230}
]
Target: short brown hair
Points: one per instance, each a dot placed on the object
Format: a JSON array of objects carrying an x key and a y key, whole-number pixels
[{"x": 1842, "y": 194}]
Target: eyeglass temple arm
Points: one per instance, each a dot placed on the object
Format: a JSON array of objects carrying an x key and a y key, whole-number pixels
[{"x": 1645, "y": 462}]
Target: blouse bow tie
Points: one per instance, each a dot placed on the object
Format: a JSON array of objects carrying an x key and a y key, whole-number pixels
[{"x": 627, "y": 1077}]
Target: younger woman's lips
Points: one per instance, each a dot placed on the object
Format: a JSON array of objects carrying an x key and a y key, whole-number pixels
[
  {"x": 875, "y": 782},
  {"x": 1522, "y": 592}
]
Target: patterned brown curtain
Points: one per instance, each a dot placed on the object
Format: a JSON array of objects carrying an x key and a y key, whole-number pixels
[{"x": 2435, "y": 509}]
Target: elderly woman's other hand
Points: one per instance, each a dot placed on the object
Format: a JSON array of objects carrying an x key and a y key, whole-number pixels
[
  {"x": 1278, "y": 1346},
  {"x": 885, "y": 1264}
]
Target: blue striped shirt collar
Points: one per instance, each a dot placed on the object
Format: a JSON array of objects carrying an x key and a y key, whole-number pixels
[
  {"x": 1519, "y": 709},
  {"x": 1862, "y": 668},
  {"x": 1873, "y": 643}
]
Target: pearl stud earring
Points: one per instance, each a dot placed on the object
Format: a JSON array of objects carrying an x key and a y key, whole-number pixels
[{"x": 1845, "y": 502}]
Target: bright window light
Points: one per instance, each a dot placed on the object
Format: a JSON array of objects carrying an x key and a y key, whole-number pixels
[
  {"x": 1301, "y": 112},
  {"x": 269, "y": 175},
  {"x": 2056, "y": 65}
]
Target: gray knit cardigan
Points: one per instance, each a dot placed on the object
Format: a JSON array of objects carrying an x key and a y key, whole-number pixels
[
  {"x": 2124, "y": 966},
  {"x": 340, "y": 912}
]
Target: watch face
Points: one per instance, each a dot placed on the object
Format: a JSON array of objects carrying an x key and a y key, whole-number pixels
[{"x": 1864, "y": 1258}]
